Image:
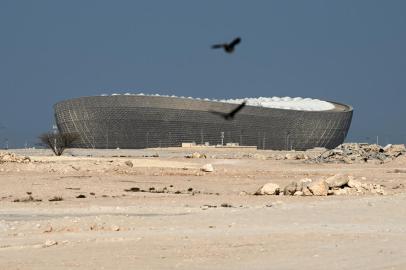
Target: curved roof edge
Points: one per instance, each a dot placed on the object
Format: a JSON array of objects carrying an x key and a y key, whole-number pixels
[{"x": 285, "y": 103}]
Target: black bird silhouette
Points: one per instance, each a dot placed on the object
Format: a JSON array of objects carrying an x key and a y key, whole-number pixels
[
  {"x": 228, "y": 47},
  {"x": 230, "y": 115}
]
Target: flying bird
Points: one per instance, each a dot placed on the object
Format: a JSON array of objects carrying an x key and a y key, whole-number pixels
[
  {"x": 228, "y": 47},
  {"x": 230, "y": 115}
]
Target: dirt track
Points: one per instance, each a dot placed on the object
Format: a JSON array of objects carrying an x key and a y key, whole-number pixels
[{"x": 205, "y": 221}]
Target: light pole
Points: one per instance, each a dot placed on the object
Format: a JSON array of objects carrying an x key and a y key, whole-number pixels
[
  {"x": 287, "y": 140},
  {"x": 55, "y": 132},
  {"x": 201, "y": 136},
  {"x": 107, "y": 139},
  {"x": 222, "y": 138},
  {"x": 259, "y": 140},
  {"x": 1, "y": 128}
]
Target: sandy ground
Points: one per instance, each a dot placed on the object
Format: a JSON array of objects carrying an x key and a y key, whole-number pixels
[{"x": 205, "y": 221}]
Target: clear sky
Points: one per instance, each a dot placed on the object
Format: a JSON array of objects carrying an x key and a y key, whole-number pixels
[{"x": 350, "y": 51}]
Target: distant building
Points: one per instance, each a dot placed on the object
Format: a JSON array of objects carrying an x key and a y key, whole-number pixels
[{"x": 145, "y": 121}]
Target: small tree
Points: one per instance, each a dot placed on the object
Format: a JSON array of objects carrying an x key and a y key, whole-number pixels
[{"x": 58, "y": 142}]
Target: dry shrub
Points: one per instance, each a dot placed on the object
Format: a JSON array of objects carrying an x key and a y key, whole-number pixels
[{"x": 58, "y": 142}]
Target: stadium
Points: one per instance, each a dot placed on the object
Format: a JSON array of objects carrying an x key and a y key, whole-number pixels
[{"x": 131, "y": 121}]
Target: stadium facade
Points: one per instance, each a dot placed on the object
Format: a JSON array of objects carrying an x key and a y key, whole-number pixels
[{"x": 140, "y": 121}]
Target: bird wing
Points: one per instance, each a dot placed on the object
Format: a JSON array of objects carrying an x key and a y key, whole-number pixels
[
  {"x": 217, "y": 46},
  {"x": 219, "y": 113},
  {"x": 233, "y": 112},
  {"x": 235, "y": 42}
]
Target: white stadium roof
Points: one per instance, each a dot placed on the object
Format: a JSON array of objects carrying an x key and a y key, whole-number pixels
[{"x": 286, "y": 103}]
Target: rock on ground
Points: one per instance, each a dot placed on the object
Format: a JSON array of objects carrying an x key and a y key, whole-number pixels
[
  {"x": 290, "y": 189},
  {"x": 129, "y": 163},
  {"x": 341, "y": 191},
  {"x": 49, "y": 243},
  {"x": 352, "y": 183},
  {"x": 319, "y": 188},
  {"x": 207, "y": 168},
  {"x": 12, "y": 157},
  {"x": 303, "y": 183},
  {"x": 337, "y": 181},
  {"x": 268, "y": 189},
  {"x": 361, "y": 152}
]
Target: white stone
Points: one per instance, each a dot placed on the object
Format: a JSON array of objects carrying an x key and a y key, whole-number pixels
[
  {"x": 268, "y": 189},
  {"x": 341, "y": 191},
  {"x": 303, "y": 183},
  {"x": 49, "y": 243},
  {"x": 290, "y": 156},
  {"x": 207, "y": 168},
  {"x": 352, "y": 183},
  {"x": 337, "y": 181},
  {"x": 115, "y": 228}
]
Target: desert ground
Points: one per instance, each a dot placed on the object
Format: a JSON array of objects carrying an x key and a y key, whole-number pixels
[{"x": 156, "y": 209}]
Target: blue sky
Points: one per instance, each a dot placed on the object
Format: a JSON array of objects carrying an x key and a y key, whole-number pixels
[{"x": 348, "y": 51}]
